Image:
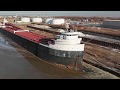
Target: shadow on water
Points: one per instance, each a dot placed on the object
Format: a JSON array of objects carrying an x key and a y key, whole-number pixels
[{"x": 19, "y": 63}]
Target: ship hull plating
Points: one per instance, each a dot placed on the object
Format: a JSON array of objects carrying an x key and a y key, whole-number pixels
[{"x": 68, "y": 58}]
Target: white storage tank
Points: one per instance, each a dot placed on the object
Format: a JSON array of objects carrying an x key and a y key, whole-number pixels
[
  {"x": 48, "y": 20},
  {"x": 60, "y": 30},
  {"x": 58, "y": 21},
  {"x": 36, "y": 19},
  {"x": 25, "y": 19}
]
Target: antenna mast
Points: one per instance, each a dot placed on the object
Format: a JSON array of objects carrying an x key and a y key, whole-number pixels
[{"x": 67, "y": 26}]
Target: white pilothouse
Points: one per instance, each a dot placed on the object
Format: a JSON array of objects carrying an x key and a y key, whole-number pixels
[{"x": 68, "y": 41}]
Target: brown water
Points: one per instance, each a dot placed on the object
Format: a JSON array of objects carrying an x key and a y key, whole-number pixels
[{"x": 18, "y": 63}]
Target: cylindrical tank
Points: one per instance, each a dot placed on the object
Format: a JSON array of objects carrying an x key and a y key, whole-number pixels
[
  {"x": 48, "y": 20},
  {"x": 58, "y": 21},
  {"x": 36, "y": 19},
  {"x": 60, "y": 30},
  {"x": 25, "y": 19}
]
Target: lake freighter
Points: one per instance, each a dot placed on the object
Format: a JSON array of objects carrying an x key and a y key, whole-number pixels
[{"x": 65, "y": 49}]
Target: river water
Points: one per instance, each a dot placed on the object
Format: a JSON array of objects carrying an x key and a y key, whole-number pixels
[{"x": 18, "y": 63}]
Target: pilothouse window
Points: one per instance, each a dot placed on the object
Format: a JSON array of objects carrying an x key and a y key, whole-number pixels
[
  {"x": 58, "y": 36},
  {"x": 72, "y": 35}
]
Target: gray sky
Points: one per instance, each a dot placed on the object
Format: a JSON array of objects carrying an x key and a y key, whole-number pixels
[{"x": 63, "y": 13}]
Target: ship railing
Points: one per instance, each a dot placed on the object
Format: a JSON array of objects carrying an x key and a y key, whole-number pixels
[{"x": 21, "y": 31}]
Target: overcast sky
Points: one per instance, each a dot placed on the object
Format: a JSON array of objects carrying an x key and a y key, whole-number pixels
[{"x": 63, "y": 13}]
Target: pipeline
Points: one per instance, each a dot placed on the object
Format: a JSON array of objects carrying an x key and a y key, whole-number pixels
[
  {"x": 102, "y": 43},
  {"x": 105, "y": 68}
]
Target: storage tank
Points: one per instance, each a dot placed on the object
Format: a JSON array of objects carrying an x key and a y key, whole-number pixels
[
  {"x": 48, "y": 20},
  {"x": 25, "y": 19},
  {"x": 58, "y": 21},
  {"x": 36, "y": 19},
  {"x": 60, "y": 30}
]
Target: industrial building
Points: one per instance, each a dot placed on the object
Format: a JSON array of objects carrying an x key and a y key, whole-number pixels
[{"x": 114, "y": 24}]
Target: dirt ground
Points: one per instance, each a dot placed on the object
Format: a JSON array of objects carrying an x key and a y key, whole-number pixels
[{"x": 103, "y": 55}]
